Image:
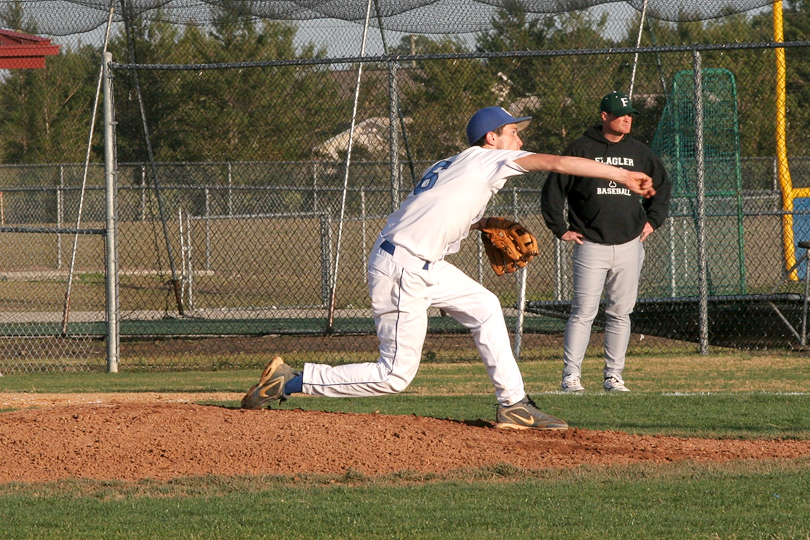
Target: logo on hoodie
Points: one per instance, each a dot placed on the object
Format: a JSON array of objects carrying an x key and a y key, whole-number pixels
[
  {"x": 616, "y": 161},
  {"x": 612, "y": 189}
]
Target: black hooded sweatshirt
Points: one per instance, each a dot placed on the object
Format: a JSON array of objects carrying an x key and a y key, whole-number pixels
[{"x": 603, "y": 211}]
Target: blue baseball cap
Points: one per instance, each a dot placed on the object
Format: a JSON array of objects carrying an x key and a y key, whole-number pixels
[{"x": 490, "y": 119}]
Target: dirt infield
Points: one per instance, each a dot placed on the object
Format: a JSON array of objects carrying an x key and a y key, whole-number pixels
[{"x": 165, "y": 436}]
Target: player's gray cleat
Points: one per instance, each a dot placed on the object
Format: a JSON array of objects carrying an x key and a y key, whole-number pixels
[
  {"x": 525, "y": 415},
  {"x": 572, "y": 384},
  {"x": 615, "y": 384},
  {"x": 270, "y": 386}
]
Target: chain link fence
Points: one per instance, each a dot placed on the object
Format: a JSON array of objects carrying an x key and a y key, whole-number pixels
[{"x": 241, "y": 206}]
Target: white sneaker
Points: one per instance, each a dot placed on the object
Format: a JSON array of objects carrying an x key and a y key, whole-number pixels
[
  {"x": 572, "y": 384},
  {"x": 614, "y": 384}
]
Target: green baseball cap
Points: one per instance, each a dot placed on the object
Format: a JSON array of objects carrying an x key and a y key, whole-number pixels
[{"x": 618, "y": 104}]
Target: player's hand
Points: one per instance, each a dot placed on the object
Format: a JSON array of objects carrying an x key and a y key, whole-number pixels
[
  {"x": 640, "y": 183},
  {"x": 647, "y": 231},
  {"x": 572, "y": 236}
]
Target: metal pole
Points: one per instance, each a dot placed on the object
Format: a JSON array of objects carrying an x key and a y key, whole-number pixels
[
  {"x": 333, "y": 291},
  {"x": 803, "y": 340},
  {"x": 775, "y": 169},
  {"x": 521, "y": 305},
  {"x": 521, "y": 310},
  {"x": 60, "y": 205},
  {"x": 111, "y": 240},
  {"x": 480, "y": 258},
  {"x": 69, "y": 289},
  {"x": 230, "y": 190},
  {"x": 638, "y": 44},
  {"x": 363, "y": 230},
  {"x": 673, "y": 261},
  {"x": 785, "y": 179},
  {"x": 393, "y": 106},
  {"x": 207, "y": 230},
  {"x": 143, "y": 192},
  {"x": 190, "y": 251},
  {"x": 150, "y": 152},
  {"x": 559, "y": 254},
  {"x": 394, "y": 112},
  {"x": 183, "y": 253},
  {"x": 315, "y": 187},
  {"x": 701, "y": 207}
]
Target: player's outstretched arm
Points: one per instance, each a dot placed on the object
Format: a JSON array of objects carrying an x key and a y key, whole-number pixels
[{"x": 637, "y": 182}]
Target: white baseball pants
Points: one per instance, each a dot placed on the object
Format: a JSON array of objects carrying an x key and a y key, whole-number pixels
[
  {"x": 616, "y": 271},
  {"x": 401, "y": 292}
]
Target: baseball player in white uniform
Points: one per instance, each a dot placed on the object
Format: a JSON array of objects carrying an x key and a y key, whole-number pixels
[{"x": 408, "y": 273}]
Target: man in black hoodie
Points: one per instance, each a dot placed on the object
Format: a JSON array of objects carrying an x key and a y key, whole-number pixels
[{"x": 608, "y": 225}]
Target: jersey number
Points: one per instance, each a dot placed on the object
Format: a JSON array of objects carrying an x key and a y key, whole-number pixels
[{"x": 431, "y": 176}]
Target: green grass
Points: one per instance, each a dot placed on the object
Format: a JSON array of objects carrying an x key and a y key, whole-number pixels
[
  {"x": 743, "y": 396},
  {"x": 723, "y": 372},
  {"x": 174, "y": 381},
  {"x": 721, "y": 396},
  {"x": 762, "y": 500}
]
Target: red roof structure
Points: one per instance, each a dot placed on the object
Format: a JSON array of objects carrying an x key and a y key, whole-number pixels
[{"x": 24, "y": 51}]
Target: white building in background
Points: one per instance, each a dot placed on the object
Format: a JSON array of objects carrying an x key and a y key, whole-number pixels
[{"x": 371, "y": 134}]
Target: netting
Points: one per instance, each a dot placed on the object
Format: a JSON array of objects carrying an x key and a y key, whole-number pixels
[
  {"x": 65, "y": 17},
  {"x": 720, "y": 199},
  {"x": 35, "y": 332}
]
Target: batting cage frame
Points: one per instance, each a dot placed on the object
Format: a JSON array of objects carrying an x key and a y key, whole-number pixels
[{"x": 703, "y": 332}]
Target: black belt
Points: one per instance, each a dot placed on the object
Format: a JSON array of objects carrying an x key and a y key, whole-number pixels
[{"x": 389, "y": 248}]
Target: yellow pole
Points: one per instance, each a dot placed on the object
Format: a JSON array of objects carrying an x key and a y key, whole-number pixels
[{"x": 785, "y": 181}]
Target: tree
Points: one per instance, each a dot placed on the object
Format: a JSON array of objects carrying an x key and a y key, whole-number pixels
[
  {"x": 442, "y": 97},
  {"x": 234, "y": 113},
  {"x": 13, "y": 17},
  {"x": 753, "y": 70},
  {"x": 562, "y": 92},
  {"x": 45, "y": 113}
]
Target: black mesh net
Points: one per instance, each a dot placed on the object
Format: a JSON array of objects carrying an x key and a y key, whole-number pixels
[{"x": 62, "y": 18}]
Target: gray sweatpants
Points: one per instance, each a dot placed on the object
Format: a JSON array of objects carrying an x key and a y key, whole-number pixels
[{"x": 614, "y": 270}]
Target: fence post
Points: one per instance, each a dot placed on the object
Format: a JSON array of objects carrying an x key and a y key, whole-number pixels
[
  {"x": 673, "y": 284},
  {"x": 59, "y": 209},
  {"x": 183, "y": 253},
  {"x": 143, "y": 192},
  {"x": 363, "y": 229},
  {"x": 326, "y": 258},
  {"x": 521, "y": 304},
  {"x": 230, "y": 190},
  {"x": 776, "y": 173},
  {"x": 479, "y": 252},
  {"x": 190, "y": 267},
  {"x": 207, "y": 229},
  {"x": 393, "y": 107},
  {"x": 701, "y": 206},
  {"x": 314, "y": 186},
  {"x": 558, "y": 268},
  {"x": 111, "y": 243}
]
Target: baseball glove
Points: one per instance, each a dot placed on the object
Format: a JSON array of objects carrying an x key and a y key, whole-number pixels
[{"x": 508, "y": 245}]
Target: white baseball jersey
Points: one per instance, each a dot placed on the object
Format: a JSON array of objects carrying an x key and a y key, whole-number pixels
[
  {"x": 430, "y": 222},
  {"x": 452, "y": 195}
]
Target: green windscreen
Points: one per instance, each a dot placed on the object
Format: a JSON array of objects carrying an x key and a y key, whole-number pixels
[{"x": 675, "y": 142}]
